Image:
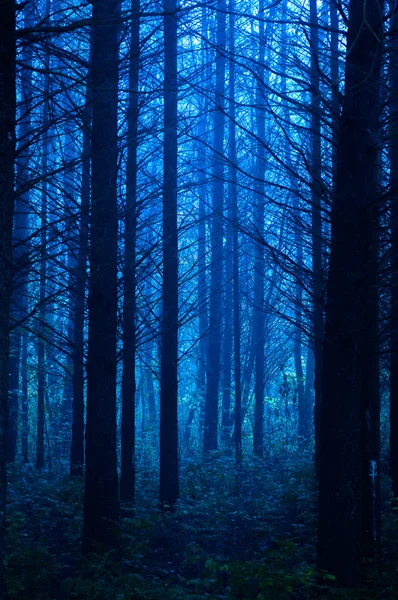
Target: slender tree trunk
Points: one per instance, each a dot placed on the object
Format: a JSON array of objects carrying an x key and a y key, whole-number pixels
[
  {"x": 259, "y": 257},
  {"x": 24, "y": 399},
  {"x": 214, "y": 338},
  {"x": 234, "y": 218},
  {"x": 127, "y": 475},
  {"x": 349, "y": 472},
  {"x": 226, "y": 416},
  {"x": 316, "y": 225},
  {"x": 41, "y": 349},
  {"x": 77, "y": 442},
  {"x": 394, "y": 251},
  {"x": 101, "y": 509},
  {"x": 168, "y": 492},
  {"x": 202, "y": 269},
  {"x": 71, "y": 263},
  {"x": 19, "y": 305},
  {"x": 7, "y": 159}
]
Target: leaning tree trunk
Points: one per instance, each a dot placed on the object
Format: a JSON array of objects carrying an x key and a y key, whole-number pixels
[
  {"x": 168, "y": 492},
  {"x": 101, "y": 483},
  {"x": 127, "y": 473},
  {"x": 7, "y": 158},
  {"x": 349, "y": 502}
]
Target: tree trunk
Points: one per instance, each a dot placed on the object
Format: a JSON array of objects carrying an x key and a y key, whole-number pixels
[
  {"x": 77, "y": 442},
  {"x": 394, "y": 252},
  {"x": 234, "y": 218},
  {"x": 7, "y": 159},
  {"x": 259, "y": 257},
  {"x": 168, "y": 492},
  {"x": 127, "y": 475},
  {"x": 214, "y": 338},
  {"x": 101, "y": 483},
  {"x": 349, "y": 435},
  {"x": 41, "y": 349},
  {"x": 316, "y": 226}
]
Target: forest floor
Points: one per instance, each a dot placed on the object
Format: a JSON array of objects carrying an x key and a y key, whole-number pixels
[{"x": 246, "y": 534}]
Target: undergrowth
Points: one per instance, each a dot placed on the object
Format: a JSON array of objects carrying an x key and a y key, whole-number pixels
[{"x": 237, "y": 534}]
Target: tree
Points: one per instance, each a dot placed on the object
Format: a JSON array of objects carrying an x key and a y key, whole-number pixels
[
  {"x": 101, "y": 480},
  {"x": 7, "y": 159},
  {"x": 19, "y": 306},
  {"x": 127, "y": 475},
  {"x": 235, "y": 243},
  {"x": 316, "y": 226},
  {"x": 79, "y": 290},
  {"x": 168, "y": 492},
  {"x": 394, "y": 251},
  {"x": 259, "y": 260},
  {"x": 349, "y": 426},
  {"x": 214, "y": 337}
]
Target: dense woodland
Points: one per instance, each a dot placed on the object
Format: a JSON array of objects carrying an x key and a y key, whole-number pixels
[{"x": 198, "y": 299}]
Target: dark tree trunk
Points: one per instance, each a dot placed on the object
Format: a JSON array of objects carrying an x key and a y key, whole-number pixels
[
  {"x": 19, "y": 303},
  {"x": 259, "y": 257},
  {"x": 71, "y": 251},
  {"x": 168, "y": 492},
  {"x": 202, "y": 269},
  {"x": 127, "y": 475},
  {"x": 101, "y": 482},
  {"x": 7, "y": 159},
  {"x": 77, "y": 442},
  {"x": 235, "y": 244},
  {"x": 349, "y": 434},
  {"x": 394, "y": 252},
  {"x": 41, "y": 349},
  {"x": 214, "y": 337},
  {"x": 316, "y": 226},
  {"x": 228, "y": 308},
  {"x": 24, "y": 399}
]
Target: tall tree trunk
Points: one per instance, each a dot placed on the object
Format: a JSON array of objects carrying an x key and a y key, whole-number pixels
[
  {"x": 7, "y": 159},
  {"x": 394, "y": 251},
  {"x": 127, "y": 475},
  {"x": 168, "y": 492},
  {"x": 41, "y": 349},
  {"x": 234, "y": 218},
  {"x": 316, "y": 225},
  {"x": 77, "y": 441},
  {"x": 24, "y": 399},
  {"x": 71, "y": 264},
  {"x": 259, "y": 257},
  {"x": 202, "y": 269},
  {"x": 214, "y": 338},
  {"x": 349, "y": 454},
  {"x": 101, "y": 482},
  {"x": 228, "y": 308},
  {"x": 19, "y": 306}
]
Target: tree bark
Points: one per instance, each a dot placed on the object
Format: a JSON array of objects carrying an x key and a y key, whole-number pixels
[
  {"x": 168, "y": 492},
  {"x": 127, "y": 474},
  {"x": 7, "y": 160},
  {"x": 101, "y": 482},
  {"x": 259, "y": 256},
  {"x": 214, "y": 337},
  {"x": 394, "y": 252},
  {"x": 349, "y": 501}
]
